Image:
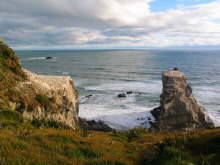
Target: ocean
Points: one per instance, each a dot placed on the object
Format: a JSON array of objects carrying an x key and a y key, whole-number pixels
[{"x": 101, "y": 75}]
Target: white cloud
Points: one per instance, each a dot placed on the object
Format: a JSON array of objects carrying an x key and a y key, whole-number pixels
[{"x": 73, "y": 23}]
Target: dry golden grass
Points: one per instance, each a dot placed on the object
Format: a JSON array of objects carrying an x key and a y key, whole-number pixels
[{"x": 58, "y": 146}]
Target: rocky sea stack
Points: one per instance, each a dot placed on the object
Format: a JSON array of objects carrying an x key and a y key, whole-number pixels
[{"x": 178, "y": 108}]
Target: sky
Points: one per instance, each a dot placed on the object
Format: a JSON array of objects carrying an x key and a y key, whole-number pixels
[{"x": 75, "y": 24}]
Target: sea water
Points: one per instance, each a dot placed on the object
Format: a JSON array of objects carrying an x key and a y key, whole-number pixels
[{"x": 101, "y": 75}]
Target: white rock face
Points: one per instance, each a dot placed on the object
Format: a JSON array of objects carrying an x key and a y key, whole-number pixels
[{"x": 60, "y": 91}]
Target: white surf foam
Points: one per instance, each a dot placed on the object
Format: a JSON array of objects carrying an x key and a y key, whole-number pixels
[
  {"x": 133, "y": 116},
  {"x": 147, "y": 87},
  {"x": 40, "y": 58},
  {"x": 65, "y": 73},
  {"x": 208, "y": 97},
  {"x": 34, "y": 58}
]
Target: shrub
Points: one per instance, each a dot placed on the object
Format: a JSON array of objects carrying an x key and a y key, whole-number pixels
[
  {"x": 80, "y": 152},
  {"x": 131, "y": 134},
  {"x": 48, "y": 124},
  {"x": 43, "y": 100},
  {"x": 170, "y": 152},
  {"x": 62, "y": 139},
  {"x": 10, "y": 115},
  {"x": 10, "y": 119}
]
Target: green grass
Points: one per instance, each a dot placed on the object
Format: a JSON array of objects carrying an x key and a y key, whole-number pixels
[
  {"x": 11, "y": 74},
  {"x": 130, "y": 135},
  {"x": 27, "y": 144},
  {"x": 10, "y": 119},
  {"x": 10, "y": 115},
  {"x": 47, "y": 124}
]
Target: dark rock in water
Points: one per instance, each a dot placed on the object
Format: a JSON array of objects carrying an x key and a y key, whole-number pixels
[
  {"x": 142, "y": 118},
  {"x": 138, "y": 93},
  {"x": 178, "y": 108},
  {"x": 156, "y": 113},
  {"x": 88, "y": 96},
  {"x": 93, "y": 125},
  {"x": 149, "y": 119},
  {"x": 129, "y": 92},
  {"x": 175, "y": 69},
  {"x": 48, "y": 58},
  {"x": 122, "y": 95}
]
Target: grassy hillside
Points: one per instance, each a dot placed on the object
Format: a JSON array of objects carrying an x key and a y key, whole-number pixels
[
  {"x": 48, "y": 143},
  {"x": 10, "y": 74},
  {"x": 23, "y": 143}
]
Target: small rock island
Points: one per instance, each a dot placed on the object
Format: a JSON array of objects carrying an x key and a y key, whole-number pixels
[{"x": 178, "y": 108}]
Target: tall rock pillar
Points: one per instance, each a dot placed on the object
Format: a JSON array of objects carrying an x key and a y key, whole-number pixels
[{"x": 178, "y": 108}]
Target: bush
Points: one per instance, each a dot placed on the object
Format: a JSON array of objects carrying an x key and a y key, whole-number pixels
[
  {"x": 62, "y": 139},
  {"x": 10, "y": 119},
  {"x": 80, "y": 153},
  {"x": 43, "y": 100},
  {"x": 170, "y": 152},
  {"x": 131, "y": 134},
  {"x": 10, "y": 115},
  {"x": 48, "y": 124}
]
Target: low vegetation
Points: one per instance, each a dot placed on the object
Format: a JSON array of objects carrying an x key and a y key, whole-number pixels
[
  {"x": 39, "y": 142},
  {"x": 24, "y": 142},
  {"x": 11, "y": 74}
]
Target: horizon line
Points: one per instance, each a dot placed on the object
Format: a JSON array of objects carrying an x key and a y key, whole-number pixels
[{"x": 129, "y": 48}]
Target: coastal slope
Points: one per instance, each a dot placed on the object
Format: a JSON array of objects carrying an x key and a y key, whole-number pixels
[{"x": 39, "y": 98}]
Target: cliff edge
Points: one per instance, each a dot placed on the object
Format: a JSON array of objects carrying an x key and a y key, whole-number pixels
[
  {"x": 57, "y": 97},
  {"x": 37, "y": 97},
  {"x": 178, "y": 108}
]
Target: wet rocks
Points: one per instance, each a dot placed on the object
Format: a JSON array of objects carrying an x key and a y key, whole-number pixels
[
  {"x": 178, "y": 108},
  {"x": 48, "y": 58},
  {"x": 129, "y": 92},
  {"x": 93, "y": 125},
  {"x": 122, "y": 95}
]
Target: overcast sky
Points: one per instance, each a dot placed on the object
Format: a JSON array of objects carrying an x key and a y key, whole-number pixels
[{"x": 42, "y": 24}]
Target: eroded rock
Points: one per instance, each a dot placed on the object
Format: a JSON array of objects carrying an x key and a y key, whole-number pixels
[
  {"x": 93, "y": 125},
  {"x": 178, "y": 108},
  {"x": 57, "y": 97}
]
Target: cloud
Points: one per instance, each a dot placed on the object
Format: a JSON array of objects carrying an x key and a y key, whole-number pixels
[{"x": 99, "y": 23}]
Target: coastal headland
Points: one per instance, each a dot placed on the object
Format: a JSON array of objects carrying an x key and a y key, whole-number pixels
[{"x": 39, "y": 124}]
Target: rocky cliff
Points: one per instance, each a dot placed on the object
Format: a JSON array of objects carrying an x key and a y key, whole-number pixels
[
  {"x": 37, "y": 97},
  {"x": 178, "y": 108},
  {"x": 57, "y": 97}
]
